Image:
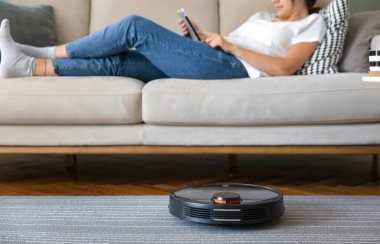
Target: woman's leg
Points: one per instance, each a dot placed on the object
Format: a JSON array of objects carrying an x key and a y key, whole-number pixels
[
  {"x": 174, "y": 55},
  {"x": 128, "y": 64}
]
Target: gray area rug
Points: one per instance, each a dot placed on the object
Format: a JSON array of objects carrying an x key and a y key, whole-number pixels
[{"x": 136, "y": 219}]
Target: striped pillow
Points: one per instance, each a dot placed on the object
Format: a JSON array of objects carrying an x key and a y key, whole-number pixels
[{"x": 326, "y": 58}]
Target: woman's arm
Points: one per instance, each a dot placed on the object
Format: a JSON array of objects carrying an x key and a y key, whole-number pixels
[{"x": 297, "y": 55}]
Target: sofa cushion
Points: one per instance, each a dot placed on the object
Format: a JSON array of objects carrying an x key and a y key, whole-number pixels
[
  {"x": 204, "y": 12},
  {"x": 323, "y": 99},
  {"x": 363, "y": 27},
  {"x": 72, "y": 17},
  {"x": 70, "y": 100},
  {"x": 32, "y": 24}
]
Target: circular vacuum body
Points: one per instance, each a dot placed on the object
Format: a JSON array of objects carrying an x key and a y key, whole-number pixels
[{"x": 227, "y": 204}]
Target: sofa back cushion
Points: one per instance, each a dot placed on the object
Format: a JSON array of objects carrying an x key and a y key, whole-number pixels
[
  {"x": 235, "y": 12},
  {"x": 71, "y": 17},
  {"x": 164, "y": 12},
  {"x": 32, "y": 24},
  {"x": 363, "y": 27}
]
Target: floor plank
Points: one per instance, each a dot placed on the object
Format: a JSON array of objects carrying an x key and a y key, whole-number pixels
[{"x": 156, "y": 175}]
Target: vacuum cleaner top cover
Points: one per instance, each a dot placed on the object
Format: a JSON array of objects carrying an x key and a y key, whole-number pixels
[{"x": 227, "y": 204}]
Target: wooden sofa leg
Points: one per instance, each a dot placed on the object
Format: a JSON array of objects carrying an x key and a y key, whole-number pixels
[
  {"x": 375, "y": 167},
  {"x": 71, "y": 162},
  {"x": 232, "y": 165}
]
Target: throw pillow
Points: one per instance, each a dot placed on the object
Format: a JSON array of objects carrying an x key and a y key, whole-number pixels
[
  {"x": 326, "y": 58},
  {"x": 363, "y": 27},
  {"x": 30, "y": 24}
]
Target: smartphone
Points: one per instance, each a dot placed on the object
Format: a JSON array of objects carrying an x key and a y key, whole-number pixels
[{"x": 192, "y": 32}]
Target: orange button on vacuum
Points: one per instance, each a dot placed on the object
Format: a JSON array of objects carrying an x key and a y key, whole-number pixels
[{"x": 226, "y": 198}]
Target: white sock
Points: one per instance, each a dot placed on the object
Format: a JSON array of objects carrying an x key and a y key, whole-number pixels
[
  {"x": 13, "y": 62},
  {"x": 38, "y": 52}
]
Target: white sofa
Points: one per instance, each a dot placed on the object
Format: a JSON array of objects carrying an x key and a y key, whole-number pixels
[{"x": 279, "y": 115}]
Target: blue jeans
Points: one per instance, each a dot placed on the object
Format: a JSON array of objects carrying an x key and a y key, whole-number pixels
[{"x": 156, "y": 53}]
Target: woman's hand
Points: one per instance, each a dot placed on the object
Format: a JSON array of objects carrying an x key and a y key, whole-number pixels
[
  {"x": 216, "y": 41},
  {"x": 185, "y": 31}
]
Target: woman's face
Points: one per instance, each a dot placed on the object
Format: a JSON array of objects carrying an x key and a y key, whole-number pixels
[{"x": 284, "y": 8}]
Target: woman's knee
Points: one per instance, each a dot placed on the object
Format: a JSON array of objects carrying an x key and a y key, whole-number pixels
[
  {"x": 132, "y": 19},
  {"x": 137, "y": 25},
  {"x": 134, "y": 23}
]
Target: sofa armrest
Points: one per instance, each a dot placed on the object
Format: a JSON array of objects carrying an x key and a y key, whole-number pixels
[{"x": 375, "y": 43}]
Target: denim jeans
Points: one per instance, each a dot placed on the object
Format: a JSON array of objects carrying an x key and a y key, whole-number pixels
[{"x": 139, "y": 48}]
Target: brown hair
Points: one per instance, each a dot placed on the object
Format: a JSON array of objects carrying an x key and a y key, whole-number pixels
[{"x": 310, "y": 6}]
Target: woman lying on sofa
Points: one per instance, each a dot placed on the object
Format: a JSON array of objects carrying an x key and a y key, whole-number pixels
[{"x": 267, "y": 44}]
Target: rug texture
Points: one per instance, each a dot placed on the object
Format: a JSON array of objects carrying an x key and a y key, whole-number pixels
[{"x": 136, "y": 219}]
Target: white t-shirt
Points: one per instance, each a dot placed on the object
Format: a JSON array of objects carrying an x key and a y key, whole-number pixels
[{"x": 262, "y": 35}]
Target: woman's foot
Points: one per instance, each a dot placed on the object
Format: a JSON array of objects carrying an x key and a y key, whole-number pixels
[
  {"x": 37, "y": 52},
  {"x": 44, "y": 52},
  {"x": 13, "y": 62}
]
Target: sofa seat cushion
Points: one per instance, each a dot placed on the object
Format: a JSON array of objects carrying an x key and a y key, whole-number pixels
[
  {"x": 70, "y": 100},
  {"x": 322, "y": 99}
]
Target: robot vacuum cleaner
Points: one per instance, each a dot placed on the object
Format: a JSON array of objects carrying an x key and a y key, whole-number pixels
[{"x": 227, "y": 204}]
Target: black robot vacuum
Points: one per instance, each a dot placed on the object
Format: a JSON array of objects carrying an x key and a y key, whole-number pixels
[{"x": 227, "y": 204}]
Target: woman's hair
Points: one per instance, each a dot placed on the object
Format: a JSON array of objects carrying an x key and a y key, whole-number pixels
[{"x": 310, "y": 5}]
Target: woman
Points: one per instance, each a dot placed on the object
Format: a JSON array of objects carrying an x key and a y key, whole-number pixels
[{"x": 267, "y": 44}]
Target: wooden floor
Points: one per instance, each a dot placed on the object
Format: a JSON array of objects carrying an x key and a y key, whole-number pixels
[{"x": 151, "y": 175}]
